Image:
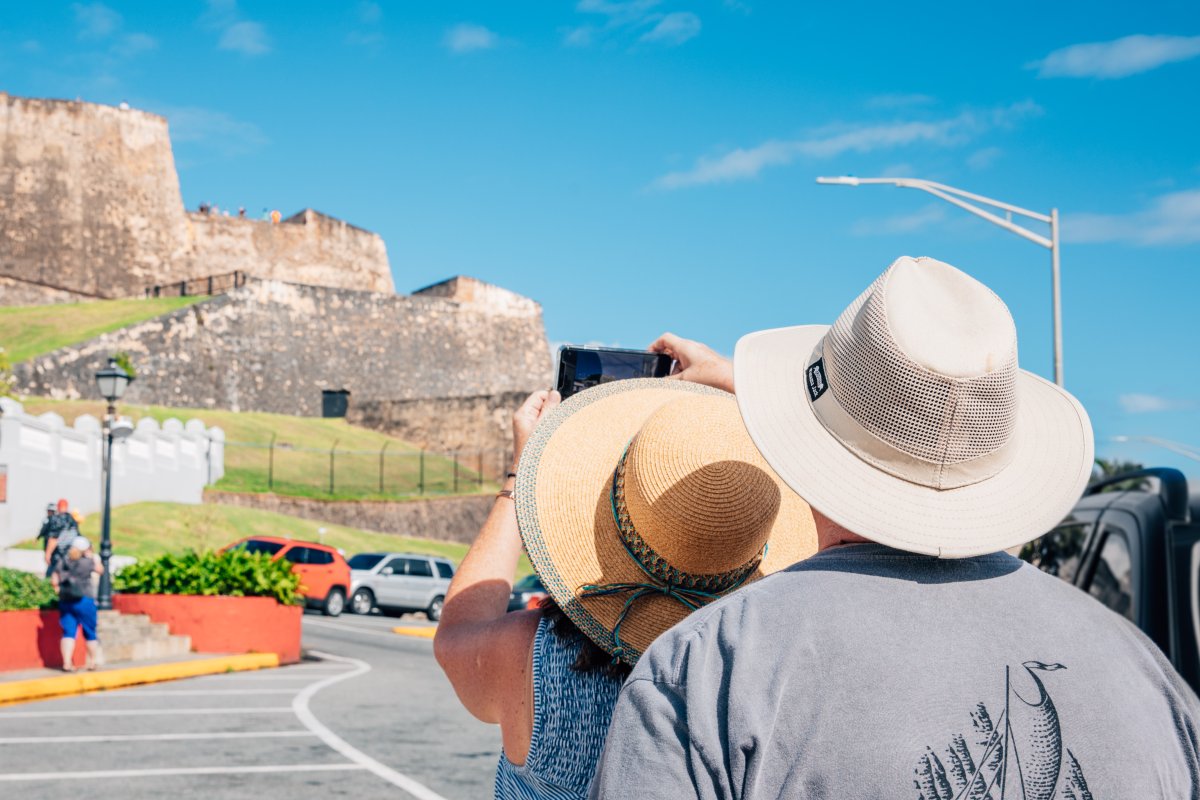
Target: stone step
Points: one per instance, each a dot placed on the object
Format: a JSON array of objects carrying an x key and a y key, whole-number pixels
[
  {"x": 136, "y": 637},
  {"x": 146, "y": 649}
]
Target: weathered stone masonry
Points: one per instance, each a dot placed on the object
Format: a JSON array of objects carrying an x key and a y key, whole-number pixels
[
  {"x": 273, "y": 346},
  {"x": 90, "y": 207}
]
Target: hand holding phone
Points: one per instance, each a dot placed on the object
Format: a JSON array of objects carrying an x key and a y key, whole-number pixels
[{"x": 581, "y": 368}]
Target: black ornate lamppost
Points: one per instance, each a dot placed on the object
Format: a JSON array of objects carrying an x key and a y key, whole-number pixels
[{"x": 111, "y": 382}]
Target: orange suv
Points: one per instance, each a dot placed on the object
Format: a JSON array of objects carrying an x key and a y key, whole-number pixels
[{"x": 324, "y": 574}]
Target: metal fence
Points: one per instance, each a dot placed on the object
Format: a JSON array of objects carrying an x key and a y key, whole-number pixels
[
  {"x": 350, "y": 474},
  {"x": 209, "y": 284}
]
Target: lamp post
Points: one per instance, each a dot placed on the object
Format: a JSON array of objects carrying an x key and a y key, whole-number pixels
[
  {"x": 1167, "y": 444},
  {"x": 111, "y": 381},
  {"x": 961, "y": 199}
]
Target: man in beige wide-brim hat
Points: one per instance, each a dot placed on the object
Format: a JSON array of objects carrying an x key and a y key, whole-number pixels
[{"x": 911, "y": 657}]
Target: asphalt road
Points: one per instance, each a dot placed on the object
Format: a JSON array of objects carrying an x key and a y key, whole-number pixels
[{"x": 371, "y": 716}]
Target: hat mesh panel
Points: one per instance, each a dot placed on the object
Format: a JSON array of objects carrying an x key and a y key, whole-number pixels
[{"x": 923, "y": 414}]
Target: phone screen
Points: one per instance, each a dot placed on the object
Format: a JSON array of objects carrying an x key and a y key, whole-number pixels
[{"x": 580, "y": 368}]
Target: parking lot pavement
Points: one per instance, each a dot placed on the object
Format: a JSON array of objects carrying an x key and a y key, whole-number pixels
[{"x": 371, "y": 717}]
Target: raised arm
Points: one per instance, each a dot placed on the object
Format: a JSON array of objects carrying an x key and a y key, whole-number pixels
[
  {"x": 484, "y": 650},
  {"x": 696, "y": 362}
]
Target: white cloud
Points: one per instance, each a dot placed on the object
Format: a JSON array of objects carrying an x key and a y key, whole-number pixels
[
  {"x": 900, "y": 100},
  {"x": 620, "y": 12},
  {"x": 369, "y": 13},
  {"x": 134, "y": 43},
  {"x": 579, "y": 37},
  {"x": 1172, "y": 219},
  {"x": 901, "y": 223},
  {"x": 213, "y": 130},
  {"x": 467, "y": 38},
  {"x": 95, "y": 20},
  {"x": 746, "y": 163},
  {"x": 1151, "y": 404},
  {"x": 1119, "y": 58},
  {"x": 673, "y": 29},
  {"x": 245, "y": 37},
  {"x": 632, "y": 17},
  {"x": 236, "y": 34},
  {"x": 982, "y": 159}
]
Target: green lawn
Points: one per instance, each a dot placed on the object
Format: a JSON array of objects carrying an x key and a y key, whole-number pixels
[
  {"x": 29, "y": 331},
  {"x": 301, "y": 458},
  {"x": 147, "y": 530}
]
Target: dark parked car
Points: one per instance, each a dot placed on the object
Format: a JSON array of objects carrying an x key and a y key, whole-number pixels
[
  {"x": 526, "y": 593},
  {"x": 1137, "y": 550}
]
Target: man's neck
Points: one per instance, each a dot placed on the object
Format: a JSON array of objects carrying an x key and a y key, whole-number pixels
[{"x": 830, "y": 534}]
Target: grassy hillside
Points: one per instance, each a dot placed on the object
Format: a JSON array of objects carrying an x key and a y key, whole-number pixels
[
  {"x": 147, "y": 530},
  {"x": 29, "y": 331},
  {"x": 301, "y": 458}
]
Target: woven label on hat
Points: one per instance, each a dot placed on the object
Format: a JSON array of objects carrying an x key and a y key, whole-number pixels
[{"x": 815, "y": 378}]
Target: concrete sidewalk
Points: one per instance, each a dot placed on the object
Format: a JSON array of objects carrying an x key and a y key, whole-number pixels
[{"x": 19, "y": 687}]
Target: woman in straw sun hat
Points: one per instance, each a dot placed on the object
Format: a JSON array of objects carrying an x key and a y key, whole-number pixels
[{"x": 637, "y": 502}]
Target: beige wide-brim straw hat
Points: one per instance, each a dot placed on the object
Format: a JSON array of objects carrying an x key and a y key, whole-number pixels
[
  {"x": 909, "y": 422},
  {"x": 697, "y": 506}
]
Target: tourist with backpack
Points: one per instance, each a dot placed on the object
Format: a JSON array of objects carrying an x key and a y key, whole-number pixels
[
  {"x": 77, "y": 601},
  {"x": 57, "y": 532}
]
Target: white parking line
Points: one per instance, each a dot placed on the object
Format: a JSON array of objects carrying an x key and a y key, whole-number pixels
[
  {"x": 133, "y": 692},
  {"x": 232, "y": 677},
  {"x": 155, "y": 737},
  {"x": 169, "y": 772},
  {"x": 358, "y": 629},
  {"x": 142, "y": 712},
  {"x": 301, "y": 709}
]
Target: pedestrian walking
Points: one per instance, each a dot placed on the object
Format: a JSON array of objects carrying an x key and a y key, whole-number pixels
[
  {"x": 911, "y": 657},
  {"x": 637, "y": 501},
  {"x": 77, "y": 602},
  {"x": 58, "y": 530},
  {"x": 48, "y": 530}
]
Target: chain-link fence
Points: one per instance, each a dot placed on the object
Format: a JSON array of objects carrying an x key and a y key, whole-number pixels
[{"x": 387, "y": 473}]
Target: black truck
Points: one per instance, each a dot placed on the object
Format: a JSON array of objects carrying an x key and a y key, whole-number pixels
[{"x": 1137, "y": 550}]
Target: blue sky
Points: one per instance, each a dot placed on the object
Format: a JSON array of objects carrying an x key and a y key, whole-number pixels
[{"x": 642, "y": 166}]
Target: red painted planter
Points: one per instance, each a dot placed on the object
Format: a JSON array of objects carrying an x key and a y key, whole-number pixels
[
  {"x": 223, "y": 624},
  {"x": 30, "y": 640}
]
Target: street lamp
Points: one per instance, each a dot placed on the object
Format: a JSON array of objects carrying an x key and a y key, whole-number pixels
[
  {"x": 960, "y": 198},
  {"x": 111, "y": 381},
  {"x": 1167, "y": 444}
]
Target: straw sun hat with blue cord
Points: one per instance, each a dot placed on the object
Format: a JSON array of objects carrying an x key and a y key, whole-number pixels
[{"x": 639, "y": 501}]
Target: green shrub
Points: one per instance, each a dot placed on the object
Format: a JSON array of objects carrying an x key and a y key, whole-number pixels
[
  {"x": 22, "y": 590},
  {"x": 235, "y": 573}
]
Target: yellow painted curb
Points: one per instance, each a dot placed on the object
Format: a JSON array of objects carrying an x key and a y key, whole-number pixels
[
  {"x": 420, "y": 633},
  {"x": 79, "y": 683}
]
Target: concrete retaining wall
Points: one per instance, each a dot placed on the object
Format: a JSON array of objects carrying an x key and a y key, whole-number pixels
[{"x": 447, "y": 519}]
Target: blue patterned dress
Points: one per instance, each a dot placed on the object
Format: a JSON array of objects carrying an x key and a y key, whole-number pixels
[{"x": 571, "y": 713}]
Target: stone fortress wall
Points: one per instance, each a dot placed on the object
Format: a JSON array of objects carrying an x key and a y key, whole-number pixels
[
  {"x": 274, "y": 346},
  {"x": 90, "y": 207}
]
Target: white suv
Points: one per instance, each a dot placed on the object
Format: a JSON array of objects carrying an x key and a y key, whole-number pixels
[{"x": 398, "y": 582}]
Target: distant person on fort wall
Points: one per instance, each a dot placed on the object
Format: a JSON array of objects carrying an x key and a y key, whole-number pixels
[
  {"x": 57, "y": 532},
  {"x": 276, "y": 217},
  {"x": 77, "y": 602},
  {"x": 637, "y": 502}
]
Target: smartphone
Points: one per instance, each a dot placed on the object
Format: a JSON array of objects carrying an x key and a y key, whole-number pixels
[{"x": 580, "y": 368}]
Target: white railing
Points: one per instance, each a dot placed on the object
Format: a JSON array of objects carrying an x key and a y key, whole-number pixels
[{"x": 42, "y": 459}]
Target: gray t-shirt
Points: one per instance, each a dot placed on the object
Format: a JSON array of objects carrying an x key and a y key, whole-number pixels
[
  {"x": 866, "y": 672},
  {"x": 79, "y": 574}
]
